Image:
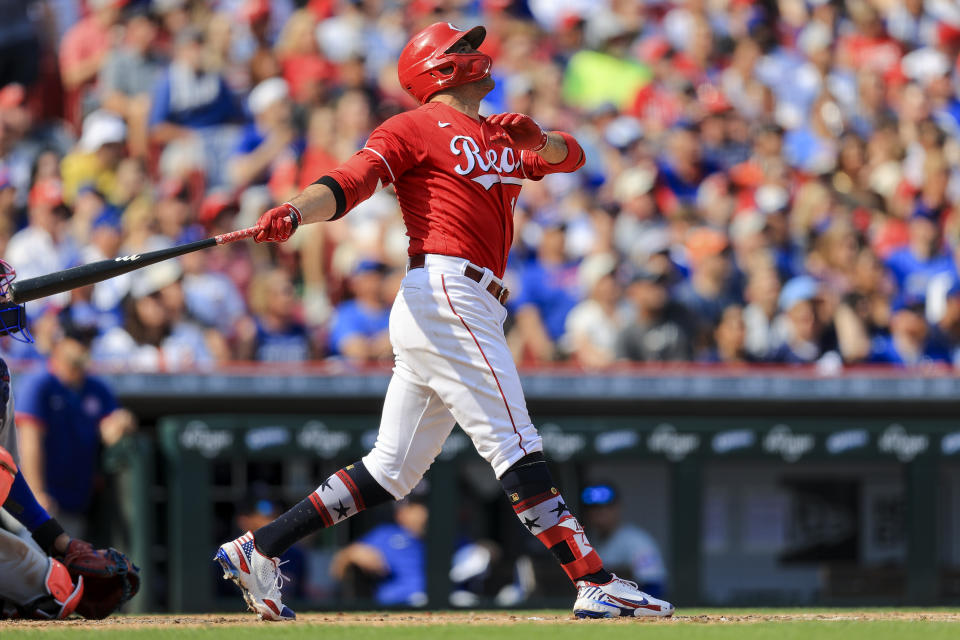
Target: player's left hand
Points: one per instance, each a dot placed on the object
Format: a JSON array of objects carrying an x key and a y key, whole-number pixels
[
  {"x": 109, "y": 578},
  {"x": 278, "y": 224},
  {"x": 517, "y": 130}
]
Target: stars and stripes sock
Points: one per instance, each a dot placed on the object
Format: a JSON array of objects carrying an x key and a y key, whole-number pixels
[
  {"x": 542, "y": 510},
  {"x": 345, "y": 493}
]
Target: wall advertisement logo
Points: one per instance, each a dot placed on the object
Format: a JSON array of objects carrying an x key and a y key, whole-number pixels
[
  {"x": 317, "y": 437},
  {"x": 198, "y": 436},
  {"x": 611, "y": 441},
  {"x": 905, "y": 446},
  {"x": 675, "y": 446},
  {"x": 950, "y": 444},
  {"x": 559, "y": 445},
  {"x": 842, "y": 441},
  {"x": 790, "y": 446},
  {"x": 727, "y": 441},
  {"x": 266, "y": 437}
]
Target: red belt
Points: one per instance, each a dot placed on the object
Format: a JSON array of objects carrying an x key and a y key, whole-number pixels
[{"x": 472, "y": 272}]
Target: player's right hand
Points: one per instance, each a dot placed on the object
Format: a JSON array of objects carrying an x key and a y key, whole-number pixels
[{"x": 278, "y": 224}]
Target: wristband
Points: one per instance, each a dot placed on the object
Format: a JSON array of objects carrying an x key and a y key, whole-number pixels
[
  {"x": 543, "y": 142},
  {"x": 46, "y": 534},
  {"x": 295, "y": 217}
]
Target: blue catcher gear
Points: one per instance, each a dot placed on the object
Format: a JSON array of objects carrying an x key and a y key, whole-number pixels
[{"x": 13, "y": 317}]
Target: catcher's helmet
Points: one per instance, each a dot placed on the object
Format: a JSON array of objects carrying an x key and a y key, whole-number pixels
[
  {"x": 13, "y": 316},
  {"x": 426, "y": 67}
]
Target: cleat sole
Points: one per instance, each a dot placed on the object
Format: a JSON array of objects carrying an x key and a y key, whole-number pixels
[{"x": 590, "y": 614}]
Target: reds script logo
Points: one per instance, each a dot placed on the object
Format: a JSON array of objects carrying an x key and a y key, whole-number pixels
[{"x": 503, "y": 163}]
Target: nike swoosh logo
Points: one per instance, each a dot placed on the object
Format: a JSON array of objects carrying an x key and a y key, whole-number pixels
[
  {"x": 443, "y": 124},
  {"x": 629, "y": 603}
]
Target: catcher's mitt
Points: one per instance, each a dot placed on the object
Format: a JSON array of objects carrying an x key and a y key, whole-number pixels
[{"x": 109, "y": 578}]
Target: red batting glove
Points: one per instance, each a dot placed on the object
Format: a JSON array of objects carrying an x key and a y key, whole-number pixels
[
  {"x": 278, "y": 224},
  {"x": 518, "y": 131}
]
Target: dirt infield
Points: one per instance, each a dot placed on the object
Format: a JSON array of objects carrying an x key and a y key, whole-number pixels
[{"x": 427, "y": 618}]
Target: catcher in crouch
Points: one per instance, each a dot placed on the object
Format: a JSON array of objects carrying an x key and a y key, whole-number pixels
[{"x": 68, "y": 575}]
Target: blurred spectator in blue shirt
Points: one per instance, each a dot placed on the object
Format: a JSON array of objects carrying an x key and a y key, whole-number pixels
[
  {"x": 187, "y": 97},
  {"x": 275, "y": 332},
  {"x": 549, "y": 289},
  {"x": 813, "y": 146},
  {"x": 210, "y": 296},
  {"x": 189, "y": 108},
  {"x": 800, "y": 334},
  {"x": 911, "y": 342},
  {"x": 682, "y": 169},
  {"x": 63, "y": 416},
  {"x": 392, "y": 556},
  {"x": 708, "y": 290},
  {"x": 269, "y": 137},
  {"x": 359, "y": 331},
  {"x": 947, "y": 329},
  {"x": 914, "y": 265}
]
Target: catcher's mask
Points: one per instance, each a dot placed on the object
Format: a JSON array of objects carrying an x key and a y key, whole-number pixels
[{"x": 13, "y": 316}]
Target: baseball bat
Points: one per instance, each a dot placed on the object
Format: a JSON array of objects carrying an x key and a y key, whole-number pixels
[{"x": 86, "y": 274}]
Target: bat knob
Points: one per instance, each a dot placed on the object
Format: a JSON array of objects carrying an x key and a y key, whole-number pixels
[{"x": 294, "y": 221}]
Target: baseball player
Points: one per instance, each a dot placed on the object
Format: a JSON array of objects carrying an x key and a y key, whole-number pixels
[
  {"x": 33, "y": 584},
  {"x": 457, "y": 176}
]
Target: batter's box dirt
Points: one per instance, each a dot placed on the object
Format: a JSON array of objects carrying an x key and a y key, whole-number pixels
[{"x": 428, "y": 618}]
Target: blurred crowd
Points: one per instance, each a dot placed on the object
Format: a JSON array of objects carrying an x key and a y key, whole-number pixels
[{"x": 767, "y": 181}]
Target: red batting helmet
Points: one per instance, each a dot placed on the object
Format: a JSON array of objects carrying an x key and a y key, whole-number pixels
[{"x": 425, "y": 67}]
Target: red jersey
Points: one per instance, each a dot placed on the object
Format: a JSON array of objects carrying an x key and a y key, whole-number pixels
[{"x": 457, "y": 190}]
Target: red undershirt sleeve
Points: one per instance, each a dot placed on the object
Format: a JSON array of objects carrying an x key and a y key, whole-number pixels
[{"x": 535, "y": 167}]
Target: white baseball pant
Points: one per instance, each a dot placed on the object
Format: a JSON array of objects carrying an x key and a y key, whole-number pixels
[
  {"x": 23, "y": 569},
  {"x": 452, "y": 366}
]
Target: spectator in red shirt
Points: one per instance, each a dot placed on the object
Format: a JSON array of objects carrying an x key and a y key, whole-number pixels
[
  {"x": 868, "y": 46},
  {"x": 83, "y": 52},
  {"x": 305, "y": 70}
]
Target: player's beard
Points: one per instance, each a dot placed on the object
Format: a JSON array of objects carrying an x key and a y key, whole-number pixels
[
  {"x": 485, "y": 85},
  {"x": 478, "y": 89}
]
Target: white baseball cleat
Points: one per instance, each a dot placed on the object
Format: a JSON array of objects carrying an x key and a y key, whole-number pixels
[
  {"x": 617, "y": 598},
  {"x": 257, "y": 576}
]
